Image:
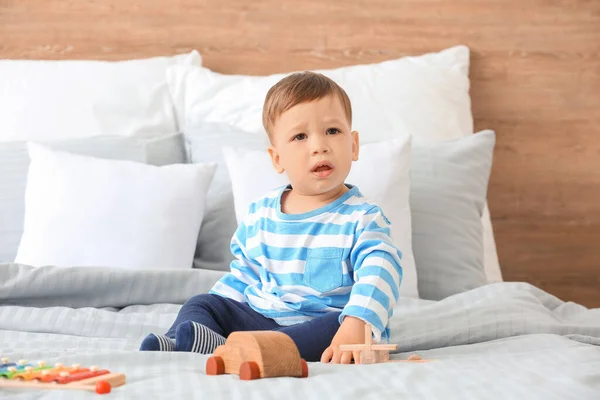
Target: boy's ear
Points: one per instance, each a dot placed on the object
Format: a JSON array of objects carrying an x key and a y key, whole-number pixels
[
  {"x": 355, "y": 145},
  {"x": 275, "y": 160}
]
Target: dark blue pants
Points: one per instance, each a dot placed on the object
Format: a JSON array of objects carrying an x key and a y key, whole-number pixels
[{"x": 224, "y": 316}]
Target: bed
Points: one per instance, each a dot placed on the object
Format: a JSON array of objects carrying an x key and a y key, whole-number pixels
[{"x": 503, "y": 95}]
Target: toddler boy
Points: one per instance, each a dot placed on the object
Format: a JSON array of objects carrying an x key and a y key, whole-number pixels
[{"x": 313, "y": 259}]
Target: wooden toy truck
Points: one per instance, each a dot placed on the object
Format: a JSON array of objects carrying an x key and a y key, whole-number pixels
[{"x": 257, "y": 354}]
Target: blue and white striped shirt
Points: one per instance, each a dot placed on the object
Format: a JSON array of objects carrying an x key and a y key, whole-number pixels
[{"x": 295, "y": 267}]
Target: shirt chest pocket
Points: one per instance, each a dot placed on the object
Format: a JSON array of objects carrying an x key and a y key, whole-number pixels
[{"x": 323, "y": 269}]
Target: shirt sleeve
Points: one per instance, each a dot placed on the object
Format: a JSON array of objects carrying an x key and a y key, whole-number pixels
[
  {"x": 243, "y": 272},
  {"x": 377, "y": 274}
]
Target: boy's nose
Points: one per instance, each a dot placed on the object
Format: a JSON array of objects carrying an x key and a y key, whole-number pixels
[
  {"x": 320, "y": 146},
  {"x": 320, "y": 150}
]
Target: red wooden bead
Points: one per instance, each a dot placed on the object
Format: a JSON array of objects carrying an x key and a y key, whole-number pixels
[{"x": 103, "y": 387}]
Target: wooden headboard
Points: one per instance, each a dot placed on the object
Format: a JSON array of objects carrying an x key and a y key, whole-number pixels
[{"x": 535, "y": 76}]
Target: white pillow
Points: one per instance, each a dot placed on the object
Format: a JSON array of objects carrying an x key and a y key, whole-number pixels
[
  {"x": 86, "y": 211},
  {"x": 14, "y": 165},
  {"x": 388, "y": 187},
  {"x": 426, "y": 96},
  {"x": 45, "y": 100}
]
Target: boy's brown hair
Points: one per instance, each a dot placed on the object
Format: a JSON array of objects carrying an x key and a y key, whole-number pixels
[{"x": 300, "y": 87}]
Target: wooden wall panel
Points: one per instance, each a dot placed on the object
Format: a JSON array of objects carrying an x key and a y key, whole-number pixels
[{"x": 535, "y": 80}]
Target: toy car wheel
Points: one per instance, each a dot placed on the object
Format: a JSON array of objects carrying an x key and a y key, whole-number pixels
[
  {"x": 249, "y": 371},
  {"x": 304, "y": 368},
  {"x": 215, "y": 366}
]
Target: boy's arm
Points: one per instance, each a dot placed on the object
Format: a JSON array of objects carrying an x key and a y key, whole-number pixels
[
  {"x": 377, "y": 275},
  {"x": 243, "y": 273}
]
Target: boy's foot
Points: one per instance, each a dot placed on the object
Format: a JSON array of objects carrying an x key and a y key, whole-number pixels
[
  {"x": 154, "y": 342},
  {"x": 197, "y": 338}
]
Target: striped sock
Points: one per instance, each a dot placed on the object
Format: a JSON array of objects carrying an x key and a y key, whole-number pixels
[
  {"x": 194, "y": 337},
  {"x": 154, "y": 342}
]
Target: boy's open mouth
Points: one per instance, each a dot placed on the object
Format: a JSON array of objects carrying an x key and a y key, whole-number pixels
[{"x": 322, "y": 168}]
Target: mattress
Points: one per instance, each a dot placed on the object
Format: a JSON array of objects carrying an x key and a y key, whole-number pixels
[{"x": 501, "y": 341}]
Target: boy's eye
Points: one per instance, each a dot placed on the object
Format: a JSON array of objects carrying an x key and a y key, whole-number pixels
[
  {"x": 332, "y": 131},
  {"x": 300, "y": 136}
]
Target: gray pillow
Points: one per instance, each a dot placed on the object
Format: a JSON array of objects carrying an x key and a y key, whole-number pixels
[
  {"x": 448, "y": 191},
  {"x": 204, "y": 143},
  {"x": 164, "y": 150},
  {"x": 14, "y": 164}
]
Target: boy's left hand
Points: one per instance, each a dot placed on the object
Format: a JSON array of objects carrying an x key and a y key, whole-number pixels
[{"x": 352, "y": 331}]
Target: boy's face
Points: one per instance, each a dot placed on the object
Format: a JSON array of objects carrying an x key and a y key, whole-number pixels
[{"x": 314, "y": 144}]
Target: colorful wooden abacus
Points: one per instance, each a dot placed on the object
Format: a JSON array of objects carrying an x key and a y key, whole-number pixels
[{"x": 41, "y": 376}]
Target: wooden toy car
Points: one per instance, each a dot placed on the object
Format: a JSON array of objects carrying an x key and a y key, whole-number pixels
[{"x": 257, "y": 354}]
